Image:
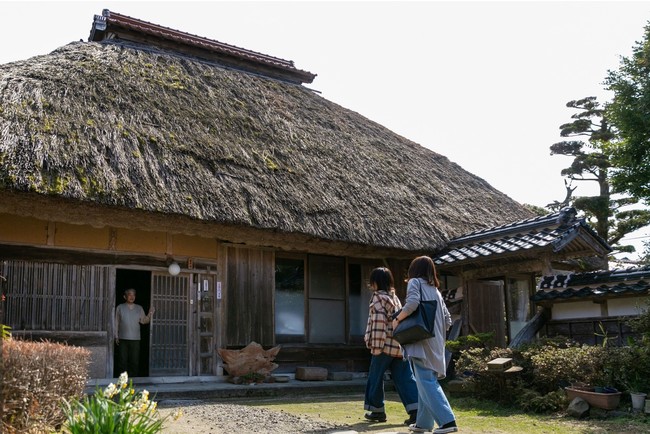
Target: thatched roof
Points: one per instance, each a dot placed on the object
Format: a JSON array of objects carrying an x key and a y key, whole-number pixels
[{"x": 123, "y": 127}]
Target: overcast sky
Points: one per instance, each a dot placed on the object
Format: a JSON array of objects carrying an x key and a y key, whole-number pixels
[{"x": 483, "y": 83}]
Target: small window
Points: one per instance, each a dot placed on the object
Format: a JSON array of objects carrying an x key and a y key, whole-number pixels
[
  {"x": 289, "y": 300},
  {"x": 326, "y": 299},
  {"x": 358, "y": 303},
  {"x": 518, "y": 290}
]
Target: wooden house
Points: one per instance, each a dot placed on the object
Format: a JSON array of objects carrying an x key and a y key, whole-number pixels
[
  {"x": 147, "y": 147},
  {"x": 497, "y": 269},
  {"x": 594, "y": 306}
]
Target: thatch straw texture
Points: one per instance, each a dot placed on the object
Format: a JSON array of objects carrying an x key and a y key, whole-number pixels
[{"x": 122, "y": 126}]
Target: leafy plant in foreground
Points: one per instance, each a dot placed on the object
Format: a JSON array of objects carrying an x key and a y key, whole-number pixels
[{"x": 116, "y": 409}]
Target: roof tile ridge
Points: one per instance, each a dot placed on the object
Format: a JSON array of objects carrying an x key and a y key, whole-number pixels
[{"x": 117, "y": 18}]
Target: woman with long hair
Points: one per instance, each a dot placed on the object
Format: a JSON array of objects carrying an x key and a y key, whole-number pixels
[{"x": 427, "y": 357}]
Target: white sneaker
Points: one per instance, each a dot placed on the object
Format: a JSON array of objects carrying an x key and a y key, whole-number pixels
[{"x": 414, "y": 428}]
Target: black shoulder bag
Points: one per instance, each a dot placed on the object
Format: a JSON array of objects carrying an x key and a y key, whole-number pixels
[{"x": 418, "y": 325}]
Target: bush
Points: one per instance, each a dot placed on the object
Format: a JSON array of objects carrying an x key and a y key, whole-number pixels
[
  {"x": 551, "y": 364},
  {"x": 472, "y": 365},
  {"x": 36, "y": 378},
  {"x": 479, "y": 340},
  {"x": 626, "y": 368},
  {"x": 532, "y": 401},
  {"x": 555, "y": 367}
]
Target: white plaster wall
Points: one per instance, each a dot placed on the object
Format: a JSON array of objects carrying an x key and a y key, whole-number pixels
[
  {"x": 626, "y": 306},
  {"x": 576, "y": 309}
]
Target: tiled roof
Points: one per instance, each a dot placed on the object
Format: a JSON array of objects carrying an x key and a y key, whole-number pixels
[
  {"x": 634, "y": 281},
  {"x": 117, "y": 21},
  {"x": 557, "y": 231}
]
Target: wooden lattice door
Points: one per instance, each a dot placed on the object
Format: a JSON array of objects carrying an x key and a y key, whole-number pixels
[{"x": 169, "y": 353}]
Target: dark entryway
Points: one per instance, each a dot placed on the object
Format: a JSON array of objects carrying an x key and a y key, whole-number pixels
[{"x": 140, "y": 280}]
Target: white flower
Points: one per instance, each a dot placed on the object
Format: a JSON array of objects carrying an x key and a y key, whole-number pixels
[
  {"x": 110, "y": 391},
  {"x": 124, "y": 378}
]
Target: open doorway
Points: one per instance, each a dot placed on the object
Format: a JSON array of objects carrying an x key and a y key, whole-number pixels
[{"x": 140, "y": 280}]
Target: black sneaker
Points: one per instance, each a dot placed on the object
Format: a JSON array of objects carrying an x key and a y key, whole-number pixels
[
  {"x": 446, "y": 428},
  {"x": 376, "y": 416},
  {"x": 413, "y": 416}
]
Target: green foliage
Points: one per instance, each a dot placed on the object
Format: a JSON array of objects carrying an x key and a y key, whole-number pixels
[
  {"x": 592, "y": 161},
  {"x": 532, "y": 401},
  {"x": 645, "y": 258},
  {"x": 628, "y": 112},
  {"x": 116, "y": 409},
  {"x": 5, "y": 331},
  {"x": 556, "y": 366},
  {"x": 641, "y": 323},
  {"x": 479, "y": 340},
  {"x": 472, "y": 366},
  {"x": 548, "y": 365},
  {"x": 626, "y": 368},
  {"x": 252, "y": 377},
  {"x": 603, "y": 334}
]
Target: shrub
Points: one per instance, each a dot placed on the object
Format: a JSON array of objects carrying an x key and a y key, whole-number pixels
[
  {"x": 554, "y": 367},
  {"x": 472, "y": 365},
  {"x": 116, "y": 409},
  {"x": 531, "y": 400},
  {"x": 626, "y": 368},
  {"x": 641, "y": 324},
  {"x": 36, "y": 378},
  {"x": 479, "y": 340}
]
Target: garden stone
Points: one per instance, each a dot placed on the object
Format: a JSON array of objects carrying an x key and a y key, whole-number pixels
[{"x": 579, "y": 408}]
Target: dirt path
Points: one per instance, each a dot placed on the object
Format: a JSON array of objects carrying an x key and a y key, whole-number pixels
[{"x": 200, "y": 417}]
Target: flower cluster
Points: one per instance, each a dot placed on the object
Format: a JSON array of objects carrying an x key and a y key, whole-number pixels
[{"x": 117, "y": 408}]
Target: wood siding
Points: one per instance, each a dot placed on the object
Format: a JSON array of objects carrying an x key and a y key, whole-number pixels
[
  {"x": 486, "y": 309},
  {"x": 64, "y": 303},
  {"x": 250, "y": 286},
  {"x": 47, "y": 296}
]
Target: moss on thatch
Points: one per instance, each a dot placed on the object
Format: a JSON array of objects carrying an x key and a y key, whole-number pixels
[{"x": 125, "y": 126}]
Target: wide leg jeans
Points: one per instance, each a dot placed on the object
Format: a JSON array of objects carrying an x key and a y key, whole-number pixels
[{"x": 402, "y": 379}]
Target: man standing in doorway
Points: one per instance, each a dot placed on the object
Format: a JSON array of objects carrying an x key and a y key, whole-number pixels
[{"x": 128, "y": 317}]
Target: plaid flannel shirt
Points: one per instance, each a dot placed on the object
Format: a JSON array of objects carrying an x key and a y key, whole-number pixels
[{"x": 379, "y": 330}]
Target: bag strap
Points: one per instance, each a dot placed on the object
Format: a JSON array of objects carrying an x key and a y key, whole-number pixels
[{"x": 420, "y": 286}]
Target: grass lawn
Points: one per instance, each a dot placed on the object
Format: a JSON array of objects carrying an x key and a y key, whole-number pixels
[{"x": 473, "y": 416}]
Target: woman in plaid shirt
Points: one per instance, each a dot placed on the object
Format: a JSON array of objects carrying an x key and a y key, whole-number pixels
[{"x": 386, "y": 352}]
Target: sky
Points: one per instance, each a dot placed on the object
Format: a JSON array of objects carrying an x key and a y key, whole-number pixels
[{"x": 483, "y": 83}]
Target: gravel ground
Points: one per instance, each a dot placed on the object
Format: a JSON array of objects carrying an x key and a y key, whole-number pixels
[{"x": 216, "y": 418}]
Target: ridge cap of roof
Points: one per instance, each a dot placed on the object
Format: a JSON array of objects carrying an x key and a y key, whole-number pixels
[
  {"x": 563, "y": 217},
  {"x": 101, "y": 22}
]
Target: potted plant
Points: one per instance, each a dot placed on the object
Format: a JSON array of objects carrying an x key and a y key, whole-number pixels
[
  {"x": 636, "y": 384},
  {"x": 635, "y": 377}
]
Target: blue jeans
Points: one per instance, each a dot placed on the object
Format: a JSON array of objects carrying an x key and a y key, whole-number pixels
[
  {"x": 402, "y": 378},
  {"x": 434, "y": 406}
]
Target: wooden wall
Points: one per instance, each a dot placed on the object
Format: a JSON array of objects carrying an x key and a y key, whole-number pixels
[
  {"x": 61, "y": 277},
  {"x": 62, "y": 303},
  {"x": 30, "y": 231},
  {"x": 250, "y": 284}
]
